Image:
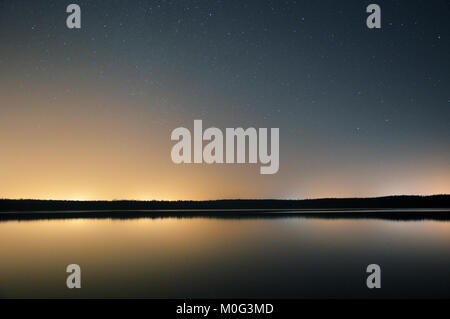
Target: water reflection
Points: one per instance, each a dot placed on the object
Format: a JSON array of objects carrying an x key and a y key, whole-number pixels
[{"x": 291, "y": 257}]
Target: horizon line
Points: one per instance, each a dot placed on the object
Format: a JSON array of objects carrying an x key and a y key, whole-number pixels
[{"x": 216, "y": 200}]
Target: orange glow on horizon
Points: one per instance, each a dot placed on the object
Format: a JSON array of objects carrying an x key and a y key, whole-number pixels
[{"x": 104, "y": 148}]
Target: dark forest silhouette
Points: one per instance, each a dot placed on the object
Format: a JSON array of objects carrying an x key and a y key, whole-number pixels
[
  {"x": 391, "y": 207},
  {"x": 435, "y": 201}
]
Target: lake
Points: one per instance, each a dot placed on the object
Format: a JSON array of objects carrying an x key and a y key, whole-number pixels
[{"x": 201, "y": 257}]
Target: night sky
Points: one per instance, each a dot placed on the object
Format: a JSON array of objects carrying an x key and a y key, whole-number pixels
[{"x": 87, "y": 114}]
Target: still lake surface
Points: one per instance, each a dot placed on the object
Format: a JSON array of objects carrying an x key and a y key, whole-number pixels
[{"x": 200, "y": 257}]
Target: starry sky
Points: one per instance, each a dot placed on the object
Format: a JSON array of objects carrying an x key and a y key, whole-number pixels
[{"x": 87, "y": 114}]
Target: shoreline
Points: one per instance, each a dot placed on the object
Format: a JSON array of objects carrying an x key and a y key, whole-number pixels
[{"x": 398, "y": 214}]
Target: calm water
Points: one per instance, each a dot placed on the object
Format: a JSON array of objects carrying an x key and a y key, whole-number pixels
[{"x": 213, "y": 258}]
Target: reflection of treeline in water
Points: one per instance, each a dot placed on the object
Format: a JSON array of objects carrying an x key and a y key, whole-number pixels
[{"x": 436, "y": 201}]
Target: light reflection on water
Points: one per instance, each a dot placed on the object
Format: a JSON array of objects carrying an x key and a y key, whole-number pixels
[{"x": 220, "y": 258}]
